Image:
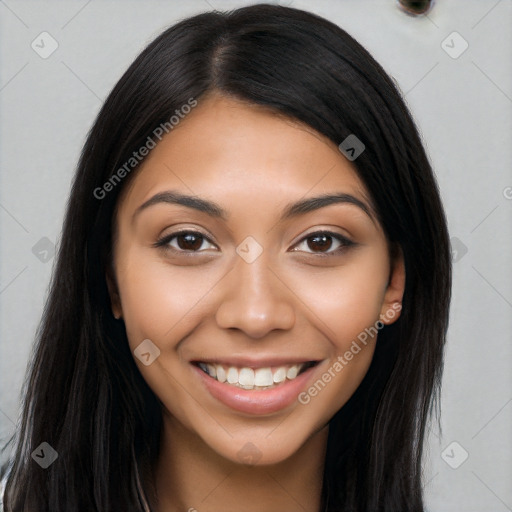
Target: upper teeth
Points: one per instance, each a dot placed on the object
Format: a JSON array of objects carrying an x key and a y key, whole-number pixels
[{"x": 249, "y": 378}]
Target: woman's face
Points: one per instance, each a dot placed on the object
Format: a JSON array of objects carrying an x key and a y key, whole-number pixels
[{"x": 215, "y": 268}]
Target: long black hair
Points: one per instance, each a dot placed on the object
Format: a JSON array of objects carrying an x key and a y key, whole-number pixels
[{"x": 84, "y": 395}]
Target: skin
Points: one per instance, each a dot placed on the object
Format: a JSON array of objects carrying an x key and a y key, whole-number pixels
[{"x": 291, "y": 301}]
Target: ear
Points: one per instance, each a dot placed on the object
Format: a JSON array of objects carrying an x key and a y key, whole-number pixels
[
  {"x": 392, "y": 304},
  {"x": 115, "y": 300}
]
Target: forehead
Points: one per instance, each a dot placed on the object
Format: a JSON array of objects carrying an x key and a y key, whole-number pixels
[{"x": 227, "y": 149}]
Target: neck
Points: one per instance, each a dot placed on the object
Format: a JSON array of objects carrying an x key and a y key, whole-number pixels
[{"x": 190, "y": 476}]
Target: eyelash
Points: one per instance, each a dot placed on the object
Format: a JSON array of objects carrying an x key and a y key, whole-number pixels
[{"x": 345, "y": 243}]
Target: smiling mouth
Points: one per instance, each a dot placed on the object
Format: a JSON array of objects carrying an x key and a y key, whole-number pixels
[{"x": 254, "y": 379}]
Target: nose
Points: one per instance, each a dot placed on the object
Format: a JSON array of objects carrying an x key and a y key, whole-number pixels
[{"x": 255, "y": 300}]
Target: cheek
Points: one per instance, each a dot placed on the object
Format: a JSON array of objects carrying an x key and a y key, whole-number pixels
[
  {"x": 160, "y": 301},
  {"x": 345, "y": 300},
  {"x": 352, "y": 337},
  {"x": 347, "y": 303}
]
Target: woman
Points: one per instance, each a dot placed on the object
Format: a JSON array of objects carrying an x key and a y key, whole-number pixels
[{"x": 252, "y": 291}]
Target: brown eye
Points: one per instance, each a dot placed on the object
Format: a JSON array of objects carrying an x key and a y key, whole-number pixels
[
  {"x": 321, "y": 242},
  {"x": 185, "y": 241},
  {"x": 190, "y": 241},
  {"x": 324, "y": 243}
]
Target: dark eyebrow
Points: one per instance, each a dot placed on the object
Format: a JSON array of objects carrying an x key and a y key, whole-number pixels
[
  {"x": 172, "y": 197},
  {"x": 291, "y": 210},
  {"x": 314, "y": 203}
]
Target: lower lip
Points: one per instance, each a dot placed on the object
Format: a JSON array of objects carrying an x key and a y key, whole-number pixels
[{"x": 265, "y": 401}]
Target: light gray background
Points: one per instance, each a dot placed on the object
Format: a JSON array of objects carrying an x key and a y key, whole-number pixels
[{"x": 463, "y": 107}]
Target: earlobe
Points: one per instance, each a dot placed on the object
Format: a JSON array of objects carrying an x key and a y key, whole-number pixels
[
  {"x": 392, "y": 304},
  {"x": 115, "y": 301}
]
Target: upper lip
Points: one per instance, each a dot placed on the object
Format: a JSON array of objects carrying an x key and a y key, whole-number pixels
[{"x": 245, "y": 362}]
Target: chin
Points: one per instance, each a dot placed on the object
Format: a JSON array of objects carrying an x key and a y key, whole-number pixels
[{"x": 262, "y": 451}]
